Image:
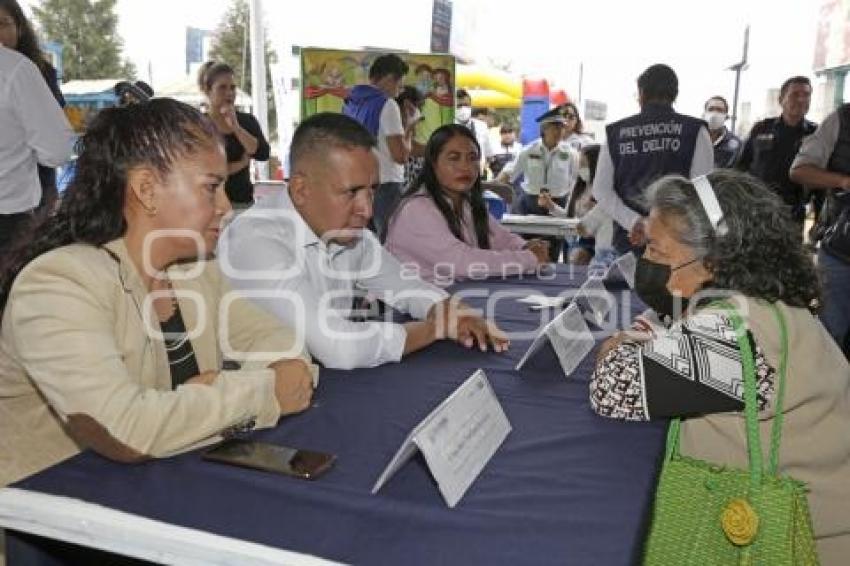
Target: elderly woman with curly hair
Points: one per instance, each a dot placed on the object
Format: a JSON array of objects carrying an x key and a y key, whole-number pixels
[{"x": 726, "y": 236}]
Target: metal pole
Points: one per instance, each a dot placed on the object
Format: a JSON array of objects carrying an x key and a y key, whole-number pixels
[
  {"x": 738, "y": 68},
  {"x": 580, "y": 81},
  {"x": 735, "y": 99},
  {"x": 258, "y": 75}
]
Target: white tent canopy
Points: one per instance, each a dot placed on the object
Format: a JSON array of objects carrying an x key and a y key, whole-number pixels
[{"x": 186, "y": 90}]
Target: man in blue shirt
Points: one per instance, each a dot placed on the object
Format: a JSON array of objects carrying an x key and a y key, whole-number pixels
[
  {"x": 727, "y": 145},
  {"x": 374, "y": 106}
]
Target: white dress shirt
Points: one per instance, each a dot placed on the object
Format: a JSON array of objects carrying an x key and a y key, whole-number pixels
[
  {"x": 606, "y": 197},
  {"x": 310, "y": 286},
  {"x": 33, "y": 130}
]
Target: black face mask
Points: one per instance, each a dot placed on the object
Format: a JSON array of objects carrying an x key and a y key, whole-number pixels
[{"x": 651, "y": 286}]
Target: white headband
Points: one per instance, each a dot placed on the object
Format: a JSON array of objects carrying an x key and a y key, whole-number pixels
[{"x": 708, "y": 198}]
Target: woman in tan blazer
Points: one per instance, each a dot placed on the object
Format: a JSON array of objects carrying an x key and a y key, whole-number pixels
[{"x": 115, "y": 326}]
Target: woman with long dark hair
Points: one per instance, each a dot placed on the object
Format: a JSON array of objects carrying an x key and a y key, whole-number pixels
[
  {"x": 16, "y": 33},
  {"x": 442, "y": 225},
  {"x": 110, "y": 325}
]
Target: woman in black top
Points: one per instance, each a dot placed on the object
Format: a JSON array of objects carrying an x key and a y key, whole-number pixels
[{"x": 243, "y": 137}]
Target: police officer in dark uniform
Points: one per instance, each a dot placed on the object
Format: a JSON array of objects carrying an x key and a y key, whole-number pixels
[
  {"x": 824, "y": 163},
  {"x": 657, "y": 141},
  {"x": 773, "y": 143},
  {"x": 727, "y": 146}
]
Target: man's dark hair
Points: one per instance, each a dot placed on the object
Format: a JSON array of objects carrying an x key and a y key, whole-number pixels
[
  {"x": 659, "y": 83},
  {"x": 476, "y": 112},
  {"x": 798, "y": 80},
  {"x": 721, "y": 99},
  {"x": 461, "y": 93},
  {"x": 389, "y": 64},
  {"x": 325, "y": 130}
]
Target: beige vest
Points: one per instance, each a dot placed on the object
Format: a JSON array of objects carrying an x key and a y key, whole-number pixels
[{"x": 815, "y": 444}]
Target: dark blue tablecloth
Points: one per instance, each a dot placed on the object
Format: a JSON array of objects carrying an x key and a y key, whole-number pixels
[{"x": 566, "y": 487}]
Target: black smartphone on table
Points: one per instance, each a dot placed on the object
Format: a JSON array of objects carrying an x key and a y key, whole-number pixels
[{"x": 304, "y": 464}]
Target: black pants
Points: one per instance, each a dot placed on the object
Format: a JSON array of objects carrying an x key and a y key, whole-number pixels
[
  {"x": 529, "y": 206},
  {"x": 11, "y": 225}
]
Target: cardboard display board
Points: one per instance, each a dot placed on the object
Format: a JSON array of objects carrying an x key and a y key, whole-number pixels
[{"x": 327, "y": 75}]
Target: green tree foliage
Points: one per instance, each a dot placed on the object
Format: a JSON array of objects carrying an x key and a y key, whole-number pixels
[
  {"x": 88, "y": 32},
  {"x": 231, "y": 45}
]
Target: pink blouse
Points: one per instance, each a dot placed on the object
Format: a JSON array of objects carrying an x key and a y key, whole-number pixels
[{"x": 420, "y": 238}]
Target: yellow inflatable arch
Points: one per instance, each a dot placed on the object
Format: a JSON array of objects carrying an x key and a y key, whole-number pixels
[{"x": 490, "y": 88}]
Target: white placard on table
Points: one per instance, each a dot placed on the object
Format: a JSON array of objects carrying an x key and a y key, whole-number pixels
[
  {"x": 457, "y": 438},
  {"x": 595, "y": 299},
  {"x": 623, "y": 267},
  {"x": 543, "y": 301},
  {"x": 570, "y": 338}
]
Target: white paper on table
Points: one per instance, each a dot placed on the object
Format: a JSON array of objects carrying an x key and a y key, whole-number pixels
[
  {"x": 595, "y": 298},
  {"x": 543, "y": 301},
  {"x": 535, "y": 346},
  {"x": 457, "y": 438},
  {"x": 624, "y": 266},
  {"x": 402, "y": 455},
  {"x": 570, "y": 338}
]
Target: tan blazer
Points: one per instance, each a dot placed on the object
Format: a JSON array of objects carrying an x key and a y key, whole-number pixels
[
  {"x": 815, "y": 445},
  {"x": 78, "y": 369}
]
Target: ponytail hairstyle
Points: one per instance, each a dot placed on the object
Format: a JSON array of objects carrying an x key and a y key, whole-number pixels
[
  {"x": 427, "y": 178},
  {"x": 153, "y": 133},
  {"x": 209, "y": 72}
]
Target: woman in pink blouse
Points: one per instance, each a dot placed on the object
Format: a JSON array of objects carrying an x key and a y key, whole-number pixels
[{"x": 442, "y": 228}]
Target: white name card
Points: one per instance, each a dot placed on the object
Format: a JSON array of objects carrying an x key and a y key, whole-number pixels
[
  {"x": 457, "y": 438},
  {"x": 570, "y": 338},
  {"x": 538, "y": 302},
  {"x": 595, "y": 299}
]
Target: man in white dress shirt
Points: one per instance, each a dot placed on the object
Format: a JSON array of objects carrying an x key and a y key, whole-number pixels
[
  {"x": 307, "y": 251},
  {"x": 33, "y": 130}
]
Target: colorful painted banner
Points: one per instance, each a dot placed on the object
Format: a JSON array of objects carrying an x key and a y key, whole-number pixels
[{"x": 328, "y": 74}]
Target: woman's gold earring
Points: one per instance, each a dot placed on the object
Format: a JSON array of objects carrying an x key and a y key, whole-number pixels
[{"x": 151, "y": 211}]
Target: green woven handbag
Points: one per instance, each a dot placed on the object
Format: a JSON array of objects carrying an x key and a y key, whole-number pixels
[{"x": 706, "y": 514}]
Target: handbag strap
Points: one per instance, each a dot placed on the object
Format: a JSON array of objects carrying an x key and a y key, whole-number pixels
[
  {"x": 779, "y": 414},
  {"x": 750, "y": 399}
]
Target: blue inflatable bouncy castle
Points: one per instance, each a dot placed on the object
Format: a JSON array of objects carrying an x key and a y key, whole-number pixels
[{"x": 535, "y": 101}]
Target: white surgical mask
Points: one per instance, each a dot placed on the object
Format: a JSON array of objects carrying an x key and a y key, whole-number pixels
[
  {"x": 584, "y": 174},
  {"x": 463, "y": 114},
  {"x": 715, "y": 120}
]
